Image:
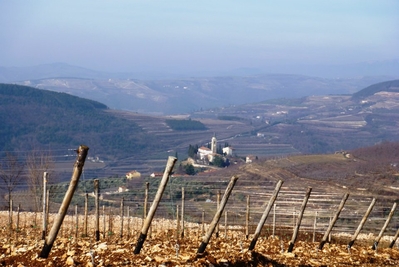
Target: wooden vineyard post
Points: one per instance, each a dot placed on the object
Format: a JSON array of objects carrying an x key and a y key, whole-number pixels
[
  {"x": 332, "y": 223},
  {"x": 104, "y": 224},
  {"x": 298, "y": 223},
  {"x": 147, "y": 187},
  {"x": 225, "y": 224},
  {"x": 182, "y": 213},
  {"x": 203, "y": 223},
  {"x": 247, "y": 219},
  {"x": 78, "y": 167},
  {"x": 122, "y": 216},
  {"x": 10, "y": 215},
  {"x": 314, "y": 227},
  {"x": 394, "y": 239},
  {"x": 128, "y": 221},
  {"x": 377, "y": 240},
  {"x": 47, "y": 208},
  {"x": 177, "y": 223},
  {"x": 35, "y": 220},
  {"x": 363, "y": 221},
  {"x": 76, "y": 222},
  {"x": 217, "y": 208},
  {"x": 274, "y": 220},
  {"x": 218, "y": 213},
  {"x": 265, "y": 214},
  {"x": 97, "y": 207},
  {"x": 85, "y": 215},
  {"x": 110, "y": 222},
  {"x": 147, "y": 222},
  {"x": 17, "y": 222},
  {"x": 44, "y": 229}
]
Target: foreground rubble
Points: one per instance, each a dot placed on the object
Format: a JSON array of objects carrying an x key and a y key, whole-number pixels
[{"x": 162, "y": 249}]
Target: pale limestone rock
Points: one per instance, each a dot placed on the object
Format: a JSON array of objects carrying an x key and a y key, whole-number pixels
[
  {"x": 69, "y": 261},
  {"x": 71, "y": 253}
]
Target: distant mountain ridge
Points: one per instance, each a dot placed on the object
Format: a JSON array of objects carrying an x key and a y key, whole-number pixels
[
  {"x": 184, "y": 96},
  {"x": 170, "y": 94}
]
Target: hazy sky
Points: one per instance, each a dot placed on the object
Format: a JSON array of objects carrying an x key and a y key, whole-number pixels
[{"x": 197, "y": 35}]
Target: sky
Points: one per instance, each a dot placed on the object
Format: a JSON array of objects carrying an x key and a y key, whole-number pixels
[{"x": 184, "y": 36}]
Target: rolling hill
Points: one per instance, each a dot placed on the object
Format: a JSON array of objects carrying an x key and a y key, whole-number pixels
[
  {"x": 178, "y": 95},
  {"x": 33, "y": 119}
]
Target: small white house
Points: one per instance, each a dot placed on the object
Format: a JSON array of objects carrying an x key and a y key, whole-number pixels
[
  {"x": 250, "y": 159},
  {"x": 203, "y": 152},
  {"x": 228, "y": 151},
  {"x": 122, "y": 189},
  {"x": 133, "y": 174}
]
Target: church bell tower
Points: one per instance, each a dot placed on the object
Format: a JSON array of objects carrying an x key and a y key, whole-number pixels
[{"x": 213, "y": 144}]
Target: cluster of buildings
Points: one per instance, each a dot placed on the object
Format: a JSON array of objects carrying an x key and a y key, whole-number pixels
[{"x": 205, "y": 153}]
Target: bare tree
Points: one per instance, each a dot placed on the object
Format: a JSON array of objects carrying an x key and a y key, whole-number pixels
[
  {"x": 10, "y": 174},
  {"x": 37, "y": 163}
]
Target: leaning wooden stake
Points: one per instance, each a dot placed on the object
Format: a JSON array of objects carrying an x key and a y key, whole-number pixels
[
  {"x": 394, "y": 239},
  {"x": 265, "y": 214},
  {"x": 330, "y": 227},
  {"x": 78, "y": 167},
  {"x": 377, "y": 240},
  {"x": 44, "y": 230},
  {"x": 97, "y": 200},
  {"x": 147, "y": 222},
  {"x": 298, "y": 223},
  {"x": 359, "y": 228},
  {"x": 218, "y": 213}
]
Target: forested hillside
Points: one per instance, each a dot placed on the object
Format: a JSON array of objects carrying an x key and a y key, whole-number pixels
[
  {"x": 388, "y": 86},
  {"x": 32, "y": 118}
]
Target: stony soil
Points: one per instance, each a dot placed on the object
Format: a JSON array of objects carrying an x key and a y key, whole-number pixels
[{"x": 21, "y": 248}]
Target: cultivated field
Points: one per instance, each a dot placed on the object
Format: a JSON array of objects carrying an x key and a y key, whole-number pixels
[{"x": 166, "y": 247}]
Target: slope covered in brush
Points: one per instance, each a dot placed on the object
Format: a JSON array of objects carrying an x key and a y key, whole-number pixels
[{"x": 33, "y": 118}]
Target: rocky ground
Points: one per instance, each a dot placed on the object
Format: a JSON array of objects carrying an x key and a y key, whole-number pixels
[{"x": 21, "y": 248}]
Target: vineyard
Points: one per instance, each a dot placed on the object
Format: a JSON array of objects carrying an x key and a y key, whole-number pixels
[
  {"x": 176, "y": 234},
  {"x": 175, "y": 221}
]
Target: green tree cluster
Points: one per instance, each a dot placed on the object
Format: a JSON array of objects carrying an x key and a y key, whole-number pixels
[
  {"x": 185, "y": 125},
  {"x": 192, "y": 151},
  {"x": 189, "y": 169}
]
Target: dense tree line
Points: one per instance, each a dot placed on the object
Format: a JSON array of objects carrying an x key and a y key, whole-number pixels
[{"x": 185, "y": 125}]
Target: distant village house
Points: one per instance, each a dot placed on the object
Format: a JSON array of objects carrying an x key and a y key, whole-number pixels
[
  {"x": 133, "y": 174},
  {"x": 156, "y": 174},
  {"x": 250, "y": 158},
  {"x": 228, "y": 151}
]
